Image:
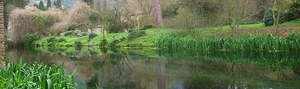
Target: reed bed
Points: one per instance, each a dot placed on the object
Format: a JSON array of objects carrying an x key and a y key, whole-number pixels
[
  {"x": 35, "y": 76},
  {"x": 275, "y": 61},
  {"x": 261, "y": 43}
]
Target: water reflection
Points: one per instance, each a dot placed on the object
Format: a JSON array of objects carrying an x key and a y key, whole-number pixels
[{"x": 154, "y": 69}]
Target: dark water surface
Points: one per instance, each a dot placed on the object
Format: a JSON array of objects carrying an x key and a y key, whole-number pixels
[{"x": 157, "y": 69}]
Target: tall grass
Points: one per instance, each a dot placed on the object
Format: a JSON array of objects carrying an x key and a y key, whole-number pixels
[
  {"x": 275, "y": 61},
  {"x": 263, "y": 43},
  {"x": 35, "y": 76}
]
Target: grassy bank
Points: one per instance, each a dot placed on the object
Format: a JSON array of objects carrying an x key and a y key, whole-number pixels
[
  {"x": 34, "y": 76},
  {"x": 116, "y": 39},
  {"x": 251, "y": 37}
]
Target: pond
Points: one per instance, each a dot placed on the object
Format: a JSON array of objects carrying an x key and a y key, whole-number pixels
[{"x": 97, "y": 68}]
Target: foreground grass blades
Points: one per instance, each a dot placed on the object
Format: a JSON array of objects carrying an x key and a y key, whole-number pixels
[{"x": 35, "y": 76}]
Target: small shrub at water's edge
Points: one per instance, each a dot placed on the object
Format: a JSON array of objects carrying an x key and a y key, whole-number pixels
[
  {"x": 52, "y": 41},
  {"x": 92, "y": 36},
  {"x": 103, "y": 43},
  {"x": 136, "y": 33},
  {"x": 78, "y": 45},
  {"x": 29, "y": 39},
  {"x": 35, "y": 76}
]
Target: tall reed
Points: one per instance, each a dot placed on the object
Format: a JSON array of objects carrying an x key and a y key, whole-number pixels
[{"x": 262, "y": 43}]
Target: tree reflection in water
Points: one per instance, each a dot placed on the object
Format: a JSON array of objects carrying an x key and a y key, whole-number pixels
[{"x": 169, "y": 70}]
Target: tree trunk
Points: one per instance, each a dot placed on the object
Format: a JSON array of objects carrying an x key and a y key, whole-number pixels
[
  {"x": 2, "y": 34},
  {"x": 156, "y": 12}
]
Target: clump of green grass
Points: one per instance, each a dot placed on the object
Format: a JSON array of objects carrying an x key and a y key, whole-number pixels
[
  {"x": 263, "y": 43},
  {"x": 35, "y": 76}
]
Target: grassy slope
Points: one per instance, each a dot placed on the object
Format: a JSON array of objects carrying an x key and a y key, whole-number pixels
[{"x": 149, "y": 40}]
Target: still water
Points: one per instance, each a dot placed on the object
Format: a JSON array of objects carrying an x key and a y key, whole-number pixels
[{"x": 160, "y": 69}]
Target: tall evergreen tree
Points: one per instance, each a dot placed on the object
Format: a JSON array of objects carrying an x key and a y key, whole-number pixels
[
  {"x": 57, "y": 4},
  {"x": 89, "y": 2},
  {"x": 48, "y": 3},
  {"x": 42, "y": 6}
]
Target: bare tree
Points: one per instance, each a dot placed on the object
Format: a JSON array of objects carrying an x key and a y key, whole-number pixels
[
  {"x": 156, "y": 12},
  {"x": 137, "y": 12},
  {"x": 279, "y": 6},
  {"x": 237, "y": 11}
]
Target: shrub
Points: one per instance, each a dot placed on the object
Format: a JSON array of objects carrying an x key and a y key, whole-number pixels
[
  {"x": 78, "y": 45},
  {"x": 268, "y": 18},
  {"x": 95, "y": 17},
  {"x": 59, "y": 40},
  {"x": 112, "y": 24},
  {"x": 30, "y": 20},
  {"x": 136, "y": 33},
  {"x": 103, "y": 43},
  {"x": 186, "y": 20},
  {"x": 147, "y": 27},
  {"x": 72, "y": 27},
  {"x": 293, "y": 12},
  {"x": 170, "y": 11},
  {"x": 29, "y": 40},
  {"x": 52, "y": 41},
  {"x": 78, "y": 13},
  {"x": 92, "y": 36}
]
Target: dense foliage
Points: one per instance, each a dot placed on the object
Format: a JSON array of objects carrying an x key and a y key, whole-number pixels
[
  {"x": 30, "y": 39},
  {"x": 269, "y": 20},
  {"x": 95, "y": 17},
  {"x": 265, "y": 43},
  {"x": 35, "y": 76},
  {"x": 294, "y": 11}
]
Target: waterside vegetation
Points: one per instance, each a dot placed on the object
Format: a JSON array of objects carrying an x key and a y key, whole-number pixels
[{"x": 35, "y": 76}]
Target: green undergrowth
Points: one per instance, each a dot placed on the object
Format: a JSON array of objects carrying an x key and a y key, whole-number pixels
[
  {"x": 223, "y": 36},
  {"x": 116, "y": 40},
  {"x": 35, "y": 76}
]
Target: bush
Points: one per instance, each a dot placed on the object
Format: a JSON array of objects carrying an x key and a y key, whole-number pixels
[
  {"x": 293, "y": 12},
  {"x": 29, "y": 40},
  {"x": 52, "y": 41},
  {"x": 72, "y": 27},
  {"x": 114, "y": 26},
  {"x": 95, "y": 17},
  {"x": 30, "y": 20},
  {"x": 103, "y": 43},
  {"x": 170, "y": 11},
  {"x": 79, "y": 12},
  {"x": 136, "y": 33},
  {"x": 92, "y": 36},
  {"x": 147, "y": 27},
  {"x": 59, "y": 40},
  {"x": 268, "y": 18},
  {"x": 78, "y": 45}
]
